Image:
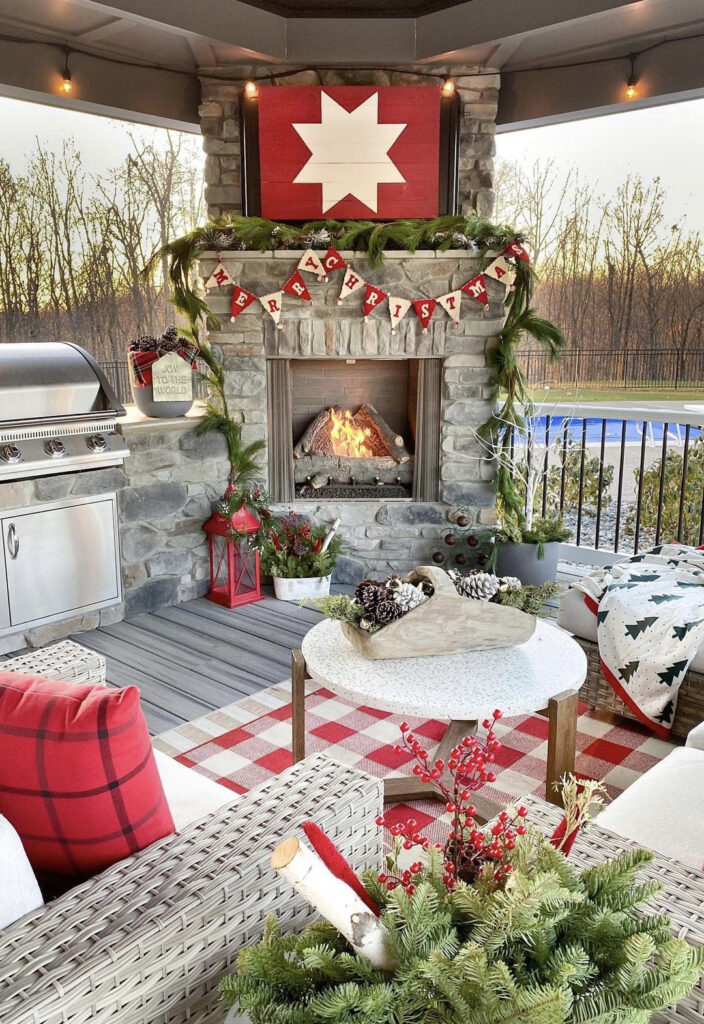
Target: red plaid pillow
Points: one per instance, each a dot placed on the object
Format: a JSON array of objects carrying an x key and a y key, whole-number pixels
[{"x": 78, "y": 778}]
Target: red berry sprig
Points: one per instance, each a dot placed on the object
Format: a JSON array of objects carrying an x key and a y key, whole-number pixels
[{"x": 468, "y": 848}]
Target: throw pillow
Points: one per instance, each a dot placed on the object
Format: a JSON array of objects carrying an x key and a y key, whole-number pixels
[
  {"x": 78, "y": 778},
  {"x": 19, "y": 891}
]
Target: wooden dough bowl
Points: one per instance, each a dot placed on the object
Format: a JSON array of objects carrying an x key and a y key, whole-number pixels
[{"x": 444, "y": 624}]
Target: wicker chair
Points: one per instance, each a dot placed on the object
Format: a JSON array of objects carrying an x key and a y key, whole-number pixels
[
  {"x": 599, "y": 696},
  {"x": 146, "y": 941}
]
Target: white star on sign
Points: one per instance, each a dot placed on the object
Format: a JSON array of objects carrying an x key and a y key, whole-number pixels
[{"x": 349, "y": 152}]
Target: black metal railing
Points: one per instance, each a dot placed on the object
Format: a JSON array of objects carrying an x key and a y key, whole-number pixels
[
  {"x": 620, "y": 485},
  {"x": 662, "y": 368},
  {"x": 117, "y": 372}
]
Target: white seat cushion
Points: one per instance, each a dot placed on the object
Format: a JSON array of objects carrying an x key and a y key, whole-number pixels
[
  {"x": 190, "y": 796},
  {"x": 574, "y": 616},
  {"x": 664, "y": 809},
  {"x": 19, "y": 891}
]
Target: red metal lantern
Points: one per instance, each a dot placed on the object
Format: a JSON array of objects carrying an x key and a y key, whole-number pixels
[{"x": 234, "y": 564}]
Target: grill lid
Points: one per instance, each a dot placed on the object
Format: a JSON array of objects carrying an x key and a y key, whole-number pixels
[{"x": 49, "y": 380}]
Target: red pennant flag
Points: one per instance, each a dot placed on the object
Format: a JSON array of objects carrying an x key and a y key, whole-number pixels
[
  {"x": 296, "y": 286},
  {"x": 373, "y": 298},
  {"x": 516, "y": 249},
  {"x": 333, "y": 261},
  {"x": 241, "y": 298},
  {"x": 424, "y": 310},
  {"x": 476, "y": 289}
]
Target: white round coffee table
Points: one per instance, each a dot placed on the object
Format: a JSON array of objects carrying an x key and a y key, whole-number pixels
[{"x": 541, "y": 676}]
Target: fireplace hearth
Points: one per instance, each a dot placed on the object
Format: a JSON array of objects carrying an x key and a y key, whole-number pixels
[{"x": 353, "y": 429}]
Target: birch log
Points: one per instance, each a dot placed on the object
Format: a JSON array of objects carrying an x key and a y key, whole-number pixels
[
  {"x": 330, "y": 534},
  {"x": 334, "y": 900}
]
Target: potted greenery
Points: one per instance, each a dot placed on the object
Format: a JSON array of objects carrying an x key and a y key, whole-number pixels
[
  {"x": 299, "y": 556},
  {"x": 529, "y": 551}
]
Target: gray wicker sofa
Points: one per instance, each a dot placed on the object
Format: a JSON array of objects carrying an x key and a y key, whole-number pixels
[{"x": 146, "y": 941}]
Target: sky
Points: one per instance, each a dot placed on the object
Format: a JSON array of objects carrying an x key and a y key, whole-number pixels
[
  {"x": 103, "y": 141},
  {"x": 665, "y": 141}
]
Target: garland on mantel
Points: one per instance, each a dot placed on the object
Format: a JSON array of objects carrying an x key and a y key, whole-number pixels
[{"x": 478, "y": 236}]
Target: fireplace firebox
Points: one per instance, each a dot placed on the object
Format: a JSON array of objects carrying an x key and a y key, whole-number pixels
[{"x": 354, "y": 429}]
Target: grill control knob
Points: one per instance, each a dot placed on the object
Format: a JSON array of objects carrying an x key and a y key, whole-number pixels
[
  {"x": 96, "y": 443},
  {"x": 10, "y": 453},
  {"x": 55, "y": 447}
]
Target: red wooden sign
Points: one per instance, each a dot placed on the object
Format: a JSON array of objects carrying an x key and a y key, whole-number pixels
[{"x": 349, "y": 151}]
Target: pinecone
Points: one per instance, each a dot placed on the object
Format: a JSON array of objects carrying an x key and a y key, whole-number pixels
[
  {"x": 145, "y": 343},
  {"x": 368, "y": 593},
  {"x": 387, "y": 611},
  {"x": 407, "y": 596},
  {"x": 509, "y": 583},
  {"x": 169, "y": 341},
  {"x": 480, "y": 586}
]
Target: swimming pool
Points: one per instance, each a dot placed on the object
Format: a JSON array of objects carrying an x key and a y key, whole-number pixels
[{"x": 634, "y": 430}]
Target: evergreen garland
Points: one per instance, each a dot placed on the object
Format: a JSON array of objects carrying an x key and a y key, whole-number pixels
[{"x": 552, "y": 946}]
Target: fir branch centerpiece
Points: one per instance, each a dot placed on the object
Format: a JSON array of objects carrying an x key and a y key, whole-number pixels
[{"x": 496, "y": 927}]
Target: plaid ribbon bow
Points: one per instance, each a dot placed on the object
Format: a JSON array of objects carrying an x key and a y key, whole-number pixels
[{"x": 142, "y": 362}]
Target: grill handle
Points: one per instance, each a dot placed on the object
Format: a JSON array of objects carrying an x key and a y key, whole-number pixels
[{"x": 13, "y": 541}]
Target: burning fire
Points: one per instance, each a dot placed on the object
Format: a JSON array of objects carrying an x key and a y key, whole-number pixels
[{"x": 347, "y": 438}]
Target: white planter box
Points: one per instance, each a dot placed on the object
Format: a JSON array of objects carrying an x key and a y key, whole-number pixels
[{"x": 297, "y": 589}]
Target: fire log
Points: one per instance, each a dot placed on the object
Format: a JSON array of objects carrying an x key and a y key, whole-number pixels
[
  {"x": 367, "y": 416},
  {"x": 341, "y": 906},
  {"x": 306, "y": 445}
]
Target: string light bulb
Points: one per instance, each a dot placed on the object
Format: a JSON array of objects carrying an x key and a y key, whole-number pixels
[
  {"x": 251, "y": 89},
  {"x": 66, "y": 82},
  {"x": 448, "y": 87},
  {"x": 632, "y": 80}
]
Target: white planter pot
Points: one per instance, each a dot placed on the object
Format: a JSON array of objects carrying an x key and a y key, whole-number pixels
[{"x": 306, "y": 586}]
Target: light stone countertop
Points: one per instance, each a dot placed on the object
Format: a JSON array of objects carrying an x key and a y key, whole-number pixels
[{"x": 136, "y": 421}]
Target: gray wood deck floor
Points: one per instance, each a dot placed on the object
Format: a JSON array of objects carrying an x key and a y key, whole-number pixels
[{"x": 193, "y": 658}]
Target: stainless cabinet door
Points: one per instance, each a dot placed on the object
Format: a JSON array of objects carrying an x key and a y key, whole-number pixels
[{"x": 60, "y": 560}]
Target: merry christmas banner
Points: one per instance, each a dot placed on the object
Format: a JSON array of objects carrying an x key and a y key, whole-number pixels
[{"x": 501, "y": 269}]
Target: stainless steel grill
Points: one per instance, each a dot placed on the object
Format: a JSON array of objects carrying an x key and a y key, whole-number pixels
[{"x": 57, "y": 412}]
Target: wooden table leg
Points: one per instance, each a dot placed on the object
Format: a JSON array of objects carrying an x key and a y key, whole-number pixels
[
  {"x": 562, "y": 741},
  {"x": 299, "y": 674}
]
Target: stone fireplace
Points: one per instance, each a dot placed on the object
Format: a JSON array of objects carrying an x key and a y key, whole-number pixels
[{"x": 431, "y": 389}]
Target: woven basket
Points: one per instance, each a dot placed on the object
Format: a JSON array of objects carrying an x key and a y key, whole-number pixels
[
  {"x": 444, "y": 624},
  {"x": 599, "y": 696}
]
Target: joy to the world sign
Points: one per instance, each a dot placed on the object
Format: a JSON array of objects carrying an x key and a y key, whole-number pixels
[{"x": 172, "y": 379}]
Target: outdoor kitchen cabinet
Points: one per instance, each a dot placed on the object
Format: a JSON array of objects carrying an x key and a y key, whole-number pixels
[{"x": 58, "y": 560}]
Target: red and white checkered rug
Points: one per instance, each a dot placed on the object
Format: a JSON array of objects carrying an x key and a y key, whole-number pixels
[{"x": 244, "y": 745}]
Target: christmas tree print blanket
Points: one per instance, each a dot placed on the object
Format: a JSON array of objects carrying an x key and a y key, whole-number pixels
[{"x": 650, "y": 624}]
